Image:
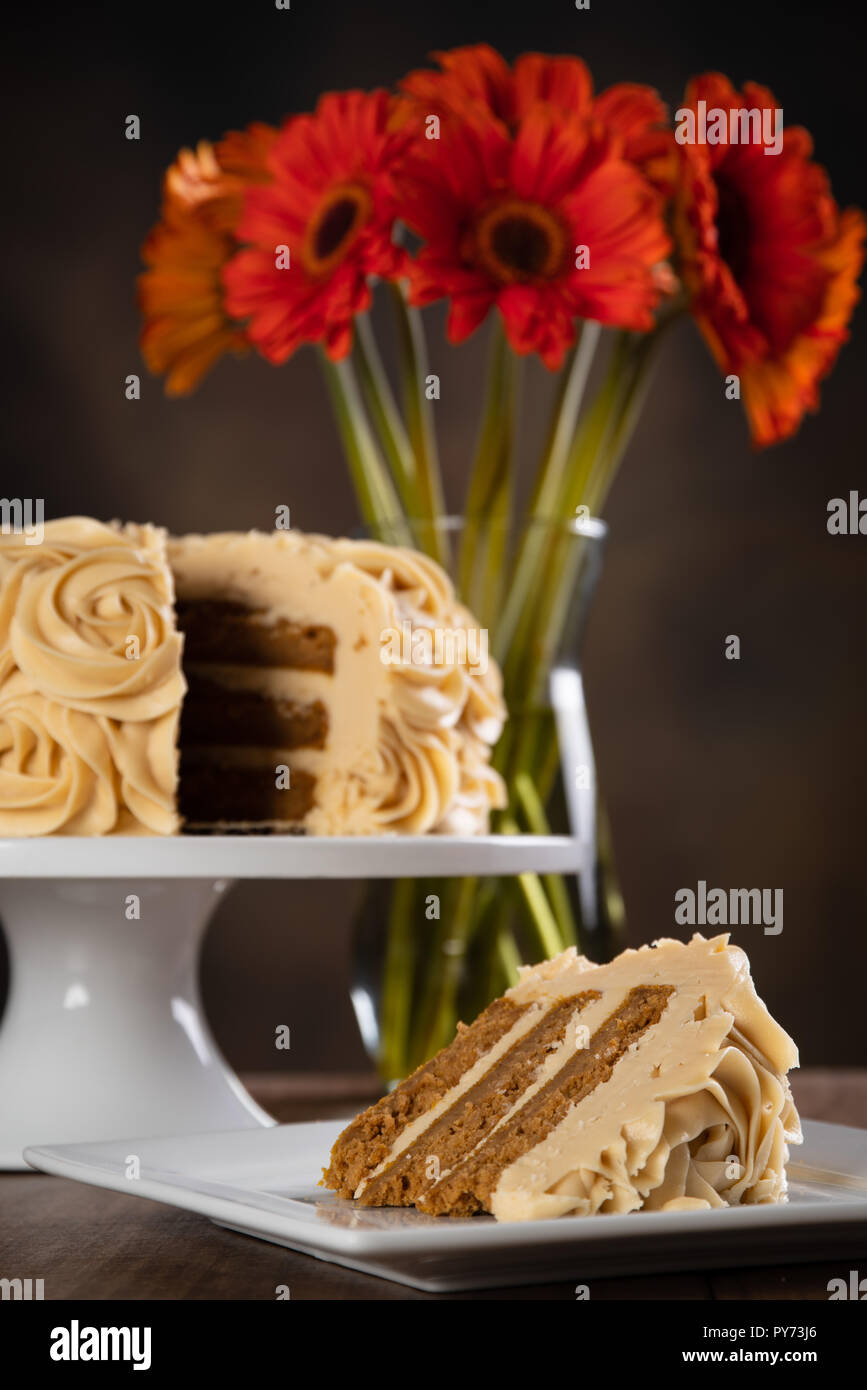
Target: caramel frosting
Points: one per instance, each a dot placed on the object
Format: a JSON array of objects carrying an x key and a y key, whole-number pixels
[
  {"x": 409, "y": 743},
  {"x": 90, "y": 682},
  {"x": 697, "y": 1114}
]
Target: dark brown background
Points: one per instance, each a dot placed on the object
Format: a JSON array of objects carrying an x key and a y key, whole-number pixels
[{"x": 742, "y": 773}]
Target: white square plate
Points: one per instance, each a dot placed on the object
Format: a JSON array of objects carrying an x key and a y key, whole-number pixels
[{"x": 263, "y": 1183}]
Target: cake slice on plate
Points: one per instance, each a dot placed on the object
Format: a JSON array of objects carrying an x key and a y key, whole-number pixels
[{"x": 657, "y": 1081}]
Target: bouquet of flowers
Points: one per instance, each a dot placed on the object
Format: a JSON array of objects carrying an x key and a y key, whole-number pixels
[{"x": 583, "y": 225}]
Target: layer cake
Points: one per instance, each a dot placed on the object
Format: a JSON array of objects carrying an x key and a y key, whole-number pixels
[
  {"x": 236, "y": 681},
  {"x": 657, "y": 1081}
]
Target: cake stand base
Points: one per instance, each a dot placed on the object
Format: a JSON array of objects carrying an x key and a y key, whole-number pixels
[{"x": 104, "y": 1034}]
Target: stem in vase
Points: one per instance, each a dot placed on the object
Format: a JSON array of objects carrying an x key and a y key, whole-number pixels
[
  {"x": 549, "y": 485},
  {"x": 385, "y": 415},
  {"x": 489, "y": 492},
  {"x": 533, "y": 809},
  {"x": 413, "y": 357},
  {"x": 397, "y": 982},
  {"x": 437, "y": 1019},
  {"x": 543, "y": 924},
  {"x": 377, "y": 497}
]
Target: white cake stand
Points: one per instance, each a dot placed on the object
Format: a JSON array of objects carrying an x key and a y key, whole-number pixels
[{"x": 104, "y": 1034}]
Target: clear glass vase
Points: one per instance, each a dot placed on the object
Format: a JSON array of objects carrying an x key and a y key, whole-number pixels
[{"x": 428, "y": 953}]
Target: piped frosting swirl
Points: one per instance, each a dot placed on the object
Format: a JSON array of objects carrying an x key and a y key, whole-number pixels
[
  {"x": 445, "y": 712},
  {"x": 90, "y": 682}
]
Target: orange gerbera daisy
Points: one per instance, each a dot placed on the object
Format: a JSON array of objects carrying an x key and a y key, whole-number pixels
[
  {"x": 769, "y": 261},
  {"x": 477, "y": 76},
  {"x": 549, "y": 223},
  {"x": 331, "y": 205},
  {"x": 186, "y": 328}
]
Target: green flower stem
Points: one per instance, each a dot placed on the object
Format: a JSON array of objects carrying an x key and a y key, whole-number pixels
[
  {"x": 397, "y": 982},
  {"x": 543, "y": 923},
  {"x": 598, "y": 451},
  {"x": 508, "y": 959},
  {"x": 547, "y": 760},
  {"x": 377, "y": 498},
  {"x": 500, "y": 957},
  {"x": 540, "y": 624},
  {"x": 549, "y": 486},
  {"x": 385, "y": 415},
  {"x": 439, "y": 1014},
  {"x": 596, "y": 425},
  {"x": 420, "y": 423},
  {"x": 632, "y": 403},
  {"x": 537, "y": 822},
  {"x": 489, "y": 491}
]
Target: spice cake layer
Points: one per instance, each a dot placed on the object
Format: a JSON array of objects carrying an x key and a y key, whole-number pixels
[{"x": 657, "y": 1081}]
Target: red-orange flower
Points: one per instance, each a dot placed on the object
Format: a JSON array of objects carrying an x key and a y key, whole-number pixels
[
  {"x": 331, "y": 206},
  {"x": 548, "y": 223},
  {"x": 768, "y": 259},
  {"x": 186, "y": 328},
  {"x": 478, "y": 77}
]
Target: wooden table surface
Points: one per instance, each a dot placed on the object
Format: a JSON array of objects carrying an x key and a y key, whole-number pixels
[{"x": 89, "y": 1243}]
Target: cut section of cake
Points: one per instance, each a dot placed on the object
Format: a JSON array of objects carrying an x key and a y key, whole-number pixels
[
  {"x": 657, "y": 1081},
  {"x": 288, "y": 647},
  {"x": 288, "y": 674}
]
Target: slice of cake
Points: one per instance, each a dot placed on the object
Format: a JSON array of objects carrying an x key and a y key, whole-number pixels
[
  {"x": 273, "y": 676},
  {"x": 657, "y": 1081}
]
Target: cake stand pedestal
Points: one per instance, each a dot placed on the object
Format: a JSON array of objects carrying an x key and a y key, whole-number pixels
[{"x": 103, "y": 1034}]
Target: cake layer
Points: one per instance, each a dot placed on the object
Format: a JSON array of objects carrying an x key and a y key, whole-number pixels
[
  {"x": 470, "y": 1120},
  {"x": 215, "y": 715},
  {"x": 376, "y": 1134},
  {"x": 215, "y": 790},
  {"x": 223, "y": 630}
]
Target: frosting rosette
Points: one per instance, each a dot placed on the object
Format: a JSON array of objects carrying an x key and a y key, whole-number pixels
[
  {"x": 446, "y": 704},
  {"x": 95, "y": 629},
  {"x": 90, "y": 682},
  {"x": 56, "y": 771},
  {"x": 63, "y": 772},
  {"x": 723, "y": 1141}
]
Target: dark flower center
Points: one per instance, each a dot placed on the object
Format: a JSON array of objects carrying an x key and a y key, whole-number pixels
[
  {"x": 334, "y": 227},
  {"x": 519, "y": 242},
  {"x": 734, "y": 231}
]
